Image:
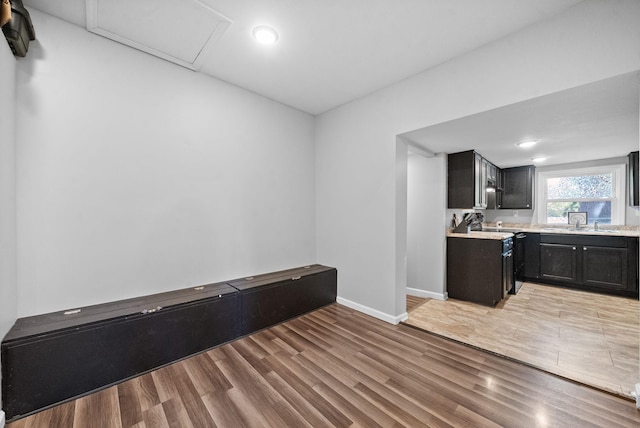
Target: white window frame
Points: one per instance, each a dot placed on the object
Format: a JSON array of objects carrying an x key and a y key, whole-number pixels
[{"x": 618, "y": 200}]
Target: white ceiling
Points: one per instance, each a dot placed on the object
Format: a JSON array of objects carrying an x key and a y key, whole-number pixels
[
  {"x": 329, "y": 52},
  {"x": 594, "y": 121}
]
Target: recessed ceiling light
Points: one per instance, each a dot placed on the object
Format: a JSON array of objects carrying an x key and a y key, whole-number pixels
[
  {"x": 265, "y": 35},
  {"x": 527, "y": 144},
  {"x": 539, "y": 159}
]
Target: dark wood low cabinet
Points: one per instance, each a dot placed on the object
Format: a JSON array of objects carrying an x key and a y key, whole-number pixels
[
  {"x": 51, "y": 358},
  {"x": 268, "y": 299},
  {"x": 607, "y": 264}
]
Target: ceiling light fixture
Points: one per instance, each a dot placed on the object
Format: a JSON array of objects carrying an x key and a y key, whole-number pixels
[
  {"x": 265, "y": 35},
  {"x": 527, "y": 144},
  {"x": 538, "y": 159}
]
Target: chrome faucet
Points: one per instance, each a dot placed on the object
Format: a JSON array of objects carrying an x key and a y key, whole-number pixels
[
  {"x": 595, "y": 225},
  {"x": 577, "y": 223}
]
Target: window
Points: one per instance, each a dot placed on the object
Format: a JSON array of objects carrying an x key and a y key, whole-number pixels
[{"x": 599, "y": 191}]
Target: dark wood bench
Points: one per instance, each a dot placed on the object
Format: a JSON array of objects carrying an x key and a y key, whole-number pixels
[{"x": 51, "y": 358}]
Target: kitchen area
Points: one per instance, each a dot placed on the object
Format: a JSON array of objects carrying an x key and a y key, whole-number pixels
[
  {"x": 541, "y": 255},
  {"x": 579, "y": 254}
]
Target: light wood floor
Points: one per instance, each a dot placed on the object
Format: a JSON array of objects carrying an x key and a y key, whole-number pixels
[
  {"x": 588, "y": 337},
  {"x": 338, "y": 367}
]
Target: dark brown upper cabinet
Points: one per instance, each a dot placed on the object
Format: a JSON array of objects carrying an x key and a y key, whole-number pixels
[
  {"x": 467, "y": 180},
  {"x": 517, "y": 188}
]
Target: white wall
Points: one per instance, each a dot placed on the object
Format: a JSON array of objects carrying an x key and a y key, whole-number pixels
[
  {"x": 137, "y": 176},
  {"x": 426, "y": 184},
  {"x": 356, "y": 156},
  {"x": 8, "y": 283}
]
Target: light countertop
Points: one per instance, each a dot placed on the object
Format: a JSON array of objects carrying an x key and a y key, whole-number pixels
[
  {"x": 605, "y": 230},
  {"x": 480, "y": 235}
]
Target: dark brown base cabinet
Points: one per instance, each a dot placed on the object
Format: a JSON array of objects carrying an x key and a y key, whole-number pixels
[
  {"x": 479, "y": 270},
  {"x": 48, "y": 359},
  {"x": 607, "y": 264}
]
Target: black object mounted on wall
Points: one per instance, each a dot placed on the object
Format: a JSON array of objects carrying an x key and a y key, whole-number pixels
[{"x": 19, "y": 29}]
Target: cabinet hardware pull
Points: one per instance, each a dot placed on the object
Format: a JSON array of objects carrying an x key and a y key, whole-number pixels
[
  {"x": 295, "y": 278},
  {"x": 150, "y": 311},
  {"x": 584, "y": 248},
  {"x": 72, "y": 312},
  {"x": 574, "y": 248}
]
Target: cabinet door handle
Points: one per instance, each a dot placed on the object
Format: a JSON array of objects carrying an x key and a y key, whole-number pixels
[
  {"x": 584, "y": 248},
  {"x": 574, "y": 248},
  {"x": 295, "y": 278}
]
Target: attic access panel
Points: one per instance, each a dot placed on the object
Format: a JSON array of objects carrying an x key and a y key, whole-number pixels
[{"x": 175, "y": 31}]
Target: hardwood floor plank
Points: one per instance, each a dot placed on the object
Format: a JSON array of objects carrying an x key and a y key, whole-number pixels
[
  {"x": 130, "y": 409},
  {"x": 224, "y": 411},
  {"x": 193, "y": 405},
  {"x": 147, "y": 391},
  {"x": 176, "y": 414},
  {"x": 248, "y": 382},
  {"x": 301, "y": 406},
  {"x": 334, "y": 385},
  {"x": 206, "y": 375},
  {"x": 338, "y": 367},
  {"x": 356, "y": 410},
  {"x": 63, "y": 415},
  {"x": 100, "y": 410},
  {"x": 165, "y": 384},
  {"x": 290, "y": 374},
  {"x": 253, "y": 354},
  {"x": 155, "y": 417},
  {"x": 42, "y": 419},
  {"x": 396, "y": 410}
]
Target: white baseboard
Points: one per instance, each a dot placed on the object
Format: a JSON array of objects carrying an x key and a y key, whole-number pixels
[
  {"x": 426, "y": 294},
  {"x": 373, "y": 312},
  {"x": 636, "y": 393},
  {"x": 1, "y": 419}
]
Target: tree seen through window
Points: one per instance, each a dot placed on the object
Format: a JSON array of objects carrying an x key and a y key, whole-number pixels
[{"x": 591, "y": 193}]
